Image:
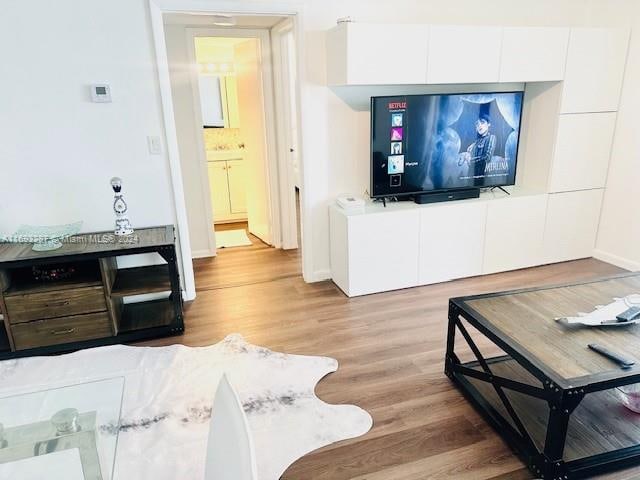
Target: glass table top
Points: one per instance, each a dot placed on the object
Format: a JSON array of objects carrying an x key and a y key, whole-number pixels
[{"x": 68, "y": 432}]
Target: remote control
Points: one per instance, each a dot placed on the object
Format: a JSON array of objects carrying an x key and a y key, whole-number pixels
[
  {"x": 621, "y": 360},
  {"x": 629, "y": 314}
]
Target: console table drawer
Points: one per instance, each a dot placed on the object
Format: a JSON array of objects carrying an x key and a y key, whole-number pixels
[
  {"x": 55, "y": 331},
  {"x": 59, "y": 303}
]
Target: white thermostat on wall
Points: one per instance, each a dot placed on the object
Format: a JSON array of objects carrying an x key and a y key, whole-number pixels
[{"x": 100, "y": 93}]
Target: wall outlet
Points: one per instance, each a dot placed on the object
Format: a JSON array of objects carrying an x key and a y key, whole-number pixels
[{"x": 155, "y": 145}]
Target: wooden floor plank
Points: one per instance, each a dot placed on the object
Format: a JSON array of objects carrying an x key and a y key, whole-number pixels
[{"x": 376, "y": 454}]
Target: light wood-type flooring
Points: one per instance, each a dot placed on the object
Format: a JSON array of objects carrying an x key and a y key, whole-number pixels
[{"x": 390, "y": 347}]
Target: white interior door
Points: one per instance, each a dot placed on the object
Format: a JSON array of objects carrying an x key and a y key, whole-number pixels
[
  {"x": 285, "y": 82},
  {"x": 292, "y": 111},
  {"x": 252, "y": 127}
]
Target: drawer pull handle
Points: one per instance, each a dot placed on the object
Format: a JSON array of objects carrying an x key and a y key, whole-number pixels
[
  {"x": 63, "y": 332},
  {"x": 63, "y": 303}
]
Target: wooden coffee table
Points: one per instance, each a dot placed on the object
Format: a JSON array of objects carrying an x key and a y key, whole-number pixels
[{"x": 552, "y": 399}]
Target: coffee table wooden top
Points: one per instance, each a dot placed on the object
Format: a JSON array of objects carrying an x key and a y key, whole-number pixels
[{"x": 525, "y": 321}]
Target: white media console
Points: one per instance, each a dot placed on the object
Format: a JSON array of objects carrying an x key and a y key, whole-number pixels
[
  {"x": 406, "y": 245},
  {"x": 572, "y": 79}
]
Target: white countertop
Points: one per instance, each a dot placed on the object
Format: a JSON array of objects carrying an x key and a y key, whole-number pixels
[
  {"x": 372, "y": 207},
  {"x": 222, "y": 155}
]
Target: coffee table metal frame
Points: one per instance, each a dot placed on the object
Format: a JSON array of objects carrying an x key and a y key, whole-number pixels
[{"x": 561, "y": 396}]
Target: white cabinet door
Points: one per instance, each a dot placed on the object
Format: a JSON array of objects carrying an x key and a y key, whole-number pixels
[
  {"x": 514, "y": 236},
  {"x": 210, "y": 100},
  {"x": 339, "y": 248},
  {"x": 533, "y": 54},
  {"x": 383, "y": 251},
  {"x": 595, "y": 69},
  {"x": 583, "y": 148},
  {"x": 237, "y": 190},
  {"x": 460, "y": 54},
  {"x": 451, "y": 241},
  {"x": 377, "y": 54},
  {"x": 572, "y": 225},
  {"x": 219, "y": 190}
]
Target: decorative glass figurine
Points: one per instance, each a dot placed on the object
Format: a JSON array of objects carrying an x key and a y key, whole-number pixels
[{"x": 123, "y": 225}]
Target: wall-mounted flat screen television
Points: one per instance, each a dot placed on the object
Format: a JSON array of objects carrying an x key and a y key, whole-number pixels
[{"x": 427, "y": 143}]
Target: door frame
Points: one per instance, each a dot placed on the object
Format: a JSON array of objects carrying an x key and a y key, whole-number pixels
[
  {"x": 293, "y": 8},
  {"x": 270, "y": 134}
]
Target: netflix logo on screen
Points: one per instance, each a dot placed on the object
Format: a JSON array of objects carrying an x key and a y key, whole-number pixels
[{"x": 397, "y": 105}]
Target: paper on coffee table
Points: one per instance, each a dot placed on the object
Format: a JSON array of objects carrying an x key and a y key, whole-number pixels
[{"x": 605, "y": 315}]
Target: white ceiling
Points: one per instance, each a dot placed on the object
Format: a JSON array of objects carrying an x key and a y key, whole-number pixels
[{"x": 242, "y": 21}]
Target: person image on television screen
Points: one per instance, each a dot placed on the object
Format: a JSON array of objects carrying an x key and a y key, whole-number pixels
[{"x": 479, "y": 153}]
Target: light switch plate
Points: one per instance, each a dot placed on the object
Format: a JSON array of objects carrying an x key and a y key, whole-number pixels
[{"x": 155, "y": 145}]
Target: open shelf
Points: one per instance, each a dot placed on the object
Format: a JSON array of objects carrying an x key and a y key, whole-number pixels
[
  {"x": 141, "y": 280},
  {"x": 154, "y": 313},
  {"x": 600, "y": 424},
  {"x": 4, "y": 340},
  {"x": 21, "y": 280}
]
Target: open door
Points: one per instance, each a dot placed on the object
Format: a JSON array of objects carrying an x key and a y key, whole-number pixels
[
  {"x": 285, "y": 81},
  {"x": 251, "y": 111}
]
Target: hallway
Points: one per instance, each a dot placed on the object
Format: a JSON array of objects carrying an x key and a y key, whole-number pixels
[{"x": 245, "y": 265}]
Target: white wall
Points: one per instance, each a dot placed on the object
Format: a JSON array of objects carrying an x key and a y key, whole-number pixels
[
  {"x": 619, "y": 231},
  {"x": 57, "y": 149}
]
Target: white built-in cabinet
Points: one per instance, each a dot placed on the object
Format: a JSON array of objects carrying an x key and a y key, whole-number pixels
[
  {"x": 571, "y": 225},
  {"x": 464, "y": 54},
  {"x": 533, "y": 54},
  {"x": 514, "y": 233},
  {"x": 386, "y": 244},
  {"x": 219, "y": 188},
  {"x": 583, "y": 147},
  {"x": 227, "y": 181},
  {"x": 218, "y": 100},
  {"x": 369, "y": 54},
  {"x": 406, "y": 245},
  {"x": 211, "y": 104},
  {"x": 568, "y": 121},
  {"x": 595, "y": 68},
  {"x": 451, "y": 241}
]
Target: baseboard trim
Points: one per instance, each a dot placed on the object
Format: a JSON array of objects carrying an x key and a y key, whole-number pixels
[
  {"x": 202, "y": 253},
  {"x": 186, "y": 297},
  {"x": 318, "y": 276},
  {"x": 616, "y": 260}
]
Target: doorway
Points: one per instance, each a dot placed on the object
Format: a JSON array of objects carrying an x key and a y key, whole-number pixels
[
  {"x": 237, "y": 132},
  {"x": 230, "y": 97}
]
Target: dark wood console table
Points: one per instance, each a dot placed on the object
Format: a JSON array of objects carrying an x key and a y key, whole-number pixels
[
  {"x": 552, "y": 399},
  {"x": 93, "y": 302}
]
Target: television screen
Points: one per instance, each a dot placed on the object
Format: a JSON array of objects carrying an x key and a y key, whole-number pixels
[{"x": 424, "y": 143}]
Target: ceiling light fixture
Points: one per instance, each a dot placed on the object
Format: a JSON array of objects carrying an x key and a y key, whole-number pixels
[{"x": 224, "y": 20}]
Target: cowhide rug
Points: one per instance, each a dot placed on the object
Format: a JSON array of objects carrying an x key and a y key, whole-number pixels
[{"x": 168, "y": 395}]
